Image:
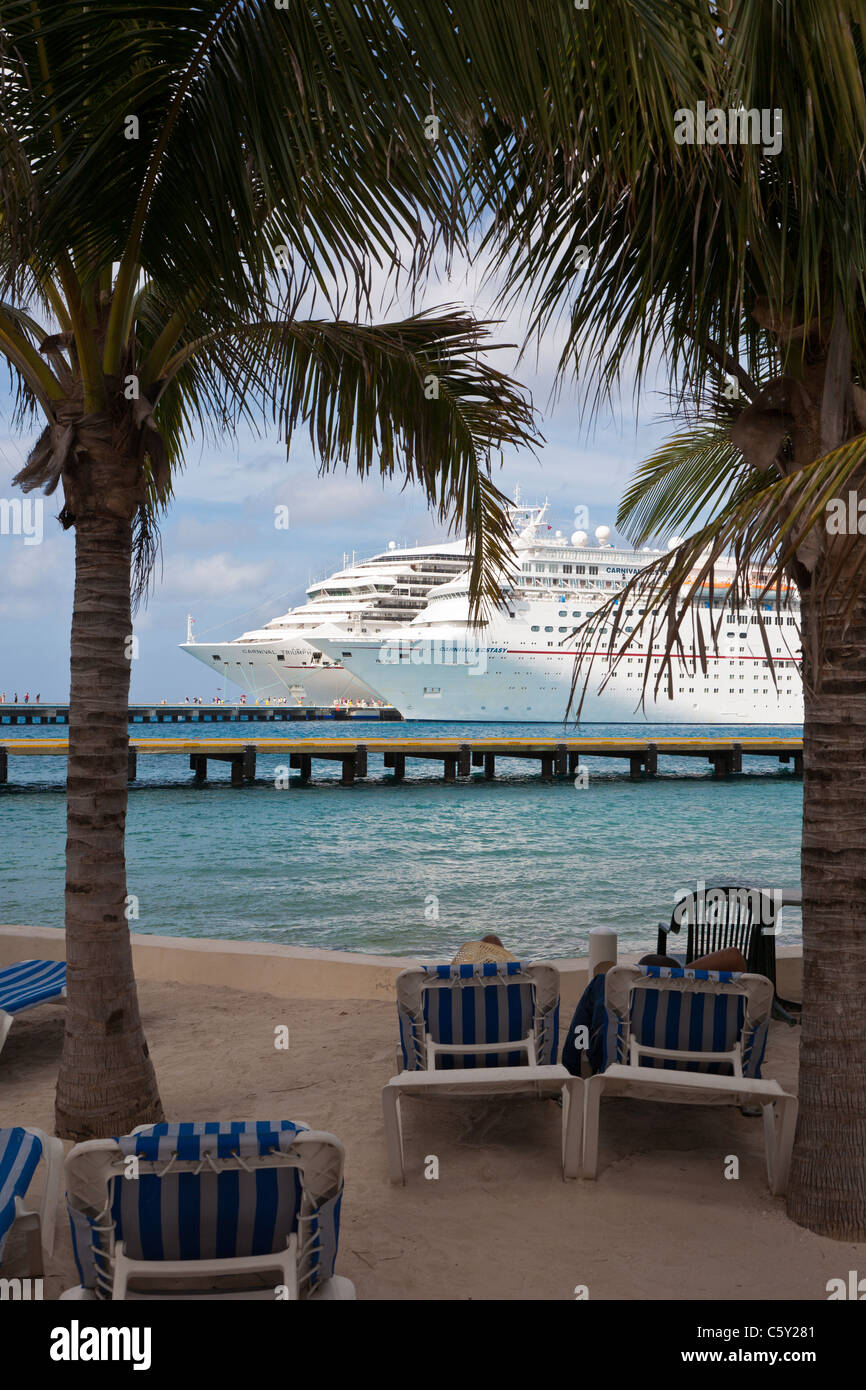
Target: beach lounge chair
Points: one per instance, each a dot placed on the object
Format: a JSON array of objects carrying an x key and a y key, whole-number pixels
[
  {"x": 695, "y": 1037},
  {"x": 249, "y": 1201},
  {"x": 20, "y": 1152},
  {"x": 27, "y": 984},
  {"x": 480, "y": 1030}
]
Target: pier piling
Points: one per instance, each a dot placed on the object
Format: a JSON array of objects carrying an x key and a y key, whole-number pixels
[
  {"x": 304, "y": 764},
  {"x": 4, "y": 765},
  {"x": 397, "y": 761}
]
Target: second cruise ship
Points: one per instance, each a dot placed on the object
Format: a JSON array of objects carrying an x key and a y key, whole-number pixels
[
  {"x": 282, "y": 660},
  {"x": 518, "y": 667}
]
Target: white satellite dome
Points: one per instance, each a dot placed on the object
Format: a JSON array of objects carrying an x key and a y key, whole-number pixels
[
  {"x": 392, "y": 545},
  {"x": 602, "y": 534},
  {"x": 579, "y": 539}
]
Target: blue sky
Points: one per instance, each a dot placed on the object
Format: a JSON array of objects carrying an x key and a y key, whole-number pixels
[{"x": 224, "y": 561}]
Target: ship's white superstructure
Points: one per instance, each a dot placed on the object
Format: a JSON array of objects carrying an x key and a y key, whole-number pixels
[
  {"x": 518, "y": 667},
  {"x": 368, "y": 598}
]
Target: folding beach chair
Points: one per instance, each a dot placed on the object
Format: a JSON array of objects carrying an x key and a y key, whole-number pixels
[
  {"x": 20, "y": 1152},
  {"x": 27, "y": 984},
  {"x": 480, "y": 1030},
  {"x": 695, "y": 1037},
  {"x": 249, "y": 1201},
  {"x": 726, "y": 915}
]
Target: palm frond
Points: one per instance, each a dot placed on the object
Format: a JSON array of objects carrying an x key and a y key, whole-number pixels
[
  {"x": 767, "y": 529},
  {"x": 416, "y": 398},
  {"x": 655, "y": 250},
  {"x": 689, "y": 474}
]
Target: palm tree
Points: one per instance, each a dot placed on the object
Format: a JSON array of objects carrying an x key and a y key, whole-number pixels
[
  {"x": 739, "y": 267},
  {"x": 176, "y": 194}
]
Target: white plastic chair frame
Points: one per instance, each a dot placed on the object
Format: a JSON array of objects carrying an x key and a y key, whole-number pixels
[
  {"x": 115, "y": 1269},
  {"x": 653, "y": 1083},
  {"x": 39, "y": 1227},
  {"x": 529, "y": 1077},
  {"x": 434, "y": 1049}
]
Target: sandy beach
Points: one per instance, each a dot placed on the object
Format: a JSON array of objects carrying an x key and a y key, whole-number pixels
[{"x": 661, "y": 1222}]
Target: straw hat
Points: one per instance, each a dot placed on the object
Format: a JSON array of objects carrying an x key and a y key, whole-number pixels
[{"x": 481, "y": 953}]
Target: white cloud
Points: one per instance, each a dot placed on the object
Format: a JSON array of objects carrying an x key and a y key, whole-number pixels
[{"x": 213, "y": 576}]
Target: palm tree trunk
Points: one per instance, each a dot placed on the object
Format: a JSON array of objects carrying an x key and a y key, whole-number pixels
[
  {"x": 107, "y": 1083},
  {"x": 827, "y": 1191}
]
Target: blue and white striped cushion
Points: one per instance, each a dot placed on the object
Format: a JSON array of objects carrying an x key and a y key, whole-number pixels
[
  {"x": 699, "y": 1022},
  {"x": 207, "y": 1215},
  {"x": 31, "y": 982},
  {"x": 20, "y": 1152},
  {"x": 480, "y": 1003}
]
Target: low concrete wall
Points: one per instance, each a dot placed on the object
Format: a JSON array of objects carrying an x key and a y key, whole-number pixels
[
  {"x": 285, "y": 971},
  {"x": 293, "y": 972}
]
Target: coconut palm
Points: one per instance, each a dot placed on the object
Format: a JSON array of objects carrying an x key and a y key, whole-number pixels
[
  {"x": 190, "y": 197},
  {"x": 738, "y": 268}
]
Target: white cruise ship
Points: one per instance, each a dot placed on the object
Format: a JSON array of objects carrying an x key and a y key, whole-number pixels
[
  {"x": 518, "y": 667},
  {"x": 282, "y": 660}
]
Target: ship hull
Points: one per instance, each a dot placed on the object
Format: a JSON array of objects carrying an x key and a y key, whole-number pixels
[
  {"x": 502, "y": 685},
  {"x": 294, "y": 671}
]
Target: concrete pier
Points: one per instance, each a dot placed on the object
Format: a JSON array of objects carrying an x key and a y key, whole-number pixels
[
  {"x": 557, "y": 758},
  {"x": 234, "y": 713}
]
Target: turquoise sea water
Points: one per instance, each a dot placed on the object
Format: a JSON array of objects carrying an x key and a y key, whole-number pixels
[{"x": 413, "y": 868}]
